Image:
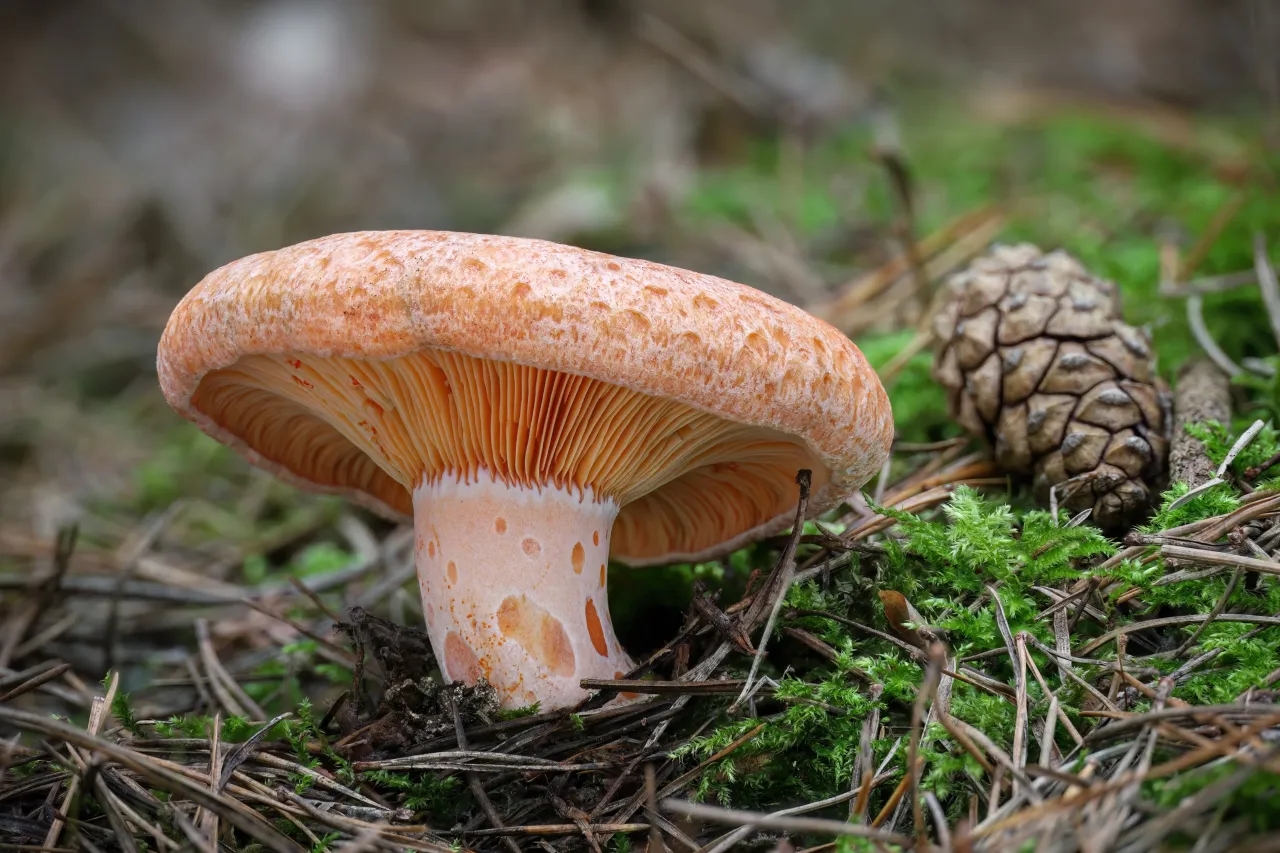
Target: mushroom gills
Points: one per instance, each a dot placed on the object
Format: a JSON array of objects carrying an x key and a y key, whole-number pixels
[{"x": 684, "y": 480}]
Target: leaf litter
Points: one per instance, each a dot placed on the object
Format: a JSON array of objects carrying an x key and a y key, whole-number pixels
[{"x": 947, "y": 673}]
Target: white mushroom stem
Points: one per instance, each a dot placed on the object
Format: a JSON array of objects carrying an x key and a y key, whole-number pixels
[{"x": 513, "y": 584}]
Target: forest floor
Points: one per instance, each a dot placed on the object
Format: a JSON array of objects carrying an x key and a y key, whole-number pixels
[{"x": 195, "y": 656}]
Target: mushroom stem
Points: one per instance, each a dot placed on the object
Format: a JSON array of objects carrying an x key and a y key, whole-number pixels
[{"x": 513, "y": 582}]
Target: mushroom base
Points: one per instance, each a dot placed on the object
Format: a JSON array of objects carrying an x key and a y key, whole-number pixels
[{"x": 513, "y": 584}]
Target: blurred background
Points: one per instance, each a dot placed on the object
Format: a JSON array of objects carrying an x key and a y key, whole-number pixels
[{"x": 800, "y": 147}]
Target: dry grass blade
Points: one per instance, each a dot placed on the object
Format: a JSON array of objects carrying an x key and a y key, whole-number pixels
[
  {"x": 864, "y": 773},
  {"x": 887, "y": 148},
  {"x": 895, "y": 800},
  {"x": 1267, "y": 283},
  {"x": 556, "y": 829},
  {"x": 1019, "y": 675},
  {"x": 208, "y": 820},
  {"x": 1189, "y": 810},
  {"x": 1200, "y": 714},
  {"x": 667, "y": 688},
  {"x": 475, "y": 761},
  {"x": 781, "y": 821},
  {"x": 42, "y": 678},
  {"x": 1165, "y": 621},
  {"x": 774, "y": 592},
  {"x": 939, "y": 818},
  {"x": 915, "y": 653},
  {"x": 932, "y": 676},
  {"x": 1218, "y": 607},
  {"x": 1205, "y": 556},
  {"x": 651, "y": 810},
  {"x": 685, "y": 778},
  {"x": 1020, "y": 725},
  {"x": 113, "y": 808},
  {"x": 473, "y": 780},
  {"x": 730, "y": 630},
  {"x": 919, "y": 342},
  {"x": 330, "y": 649},
  {"x": 1222, "y": 218},
  {"x": 129, "y": 554},
  {"x": 230, "y": 695},
  {"x": 1195, "y": 319},
  {"x": 1208, "y": 284},
  {"x": 43, "y": 586},
  {"x": 1060, "y": 715},
  {"x": 97, "y": 716},
  {"x": 365, "y": 841},
  {"x": 948, "y": 722},
  {"x": 245, "y": 751},
  {"x": 229, "y": 809},
  {"x": 1001, "y": 757},
  {"x": 971, "y": 231}
]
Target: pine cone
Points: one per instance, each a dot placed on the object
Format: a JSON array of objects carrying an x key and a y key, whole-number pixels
[{"x": 1036, "y": 360}]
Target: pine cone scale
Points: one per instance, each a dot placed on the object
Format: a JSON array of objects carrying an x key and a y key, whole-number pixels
[
  {"x": 1120, "y": 358},
  {"x": 1076, "y": 370},
  {"x": 975, "y": 338},
  {"x": 984, "y": 386},
  {"x": 1026, "y": 366},
  {"x": 1047, "y": 421},
  {"x": 1015, "y": 457},
  {"x": 1146, "y": 397},
  {"x": 985, "y": 293},
  {"x": 1129, "y": 453},
  {"x": 1025, "y": 317},
  {"x": 1083, "y": 447}
]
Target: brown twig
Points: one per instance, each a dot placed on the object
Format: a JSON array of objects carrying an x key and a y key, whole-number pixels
[
  {"x": 44, "y": 587},
  {"x": 41, "y": 678},
  {"x": 932, "y": 676},
  {"x": 473, "y": 780},
  {"x": 782, "y": 820},
  {"x": 230, "y": 695},
  {"x": 1201, "y": 395}
]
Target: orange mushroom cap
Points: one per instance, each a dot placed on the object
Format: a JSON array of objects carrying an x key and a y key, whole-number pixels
[{"x": 365, "y": 363}]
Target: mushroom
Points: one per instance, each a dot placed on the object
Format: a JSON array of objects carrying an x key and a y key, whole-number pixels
[{"x": 534, "y": 408}]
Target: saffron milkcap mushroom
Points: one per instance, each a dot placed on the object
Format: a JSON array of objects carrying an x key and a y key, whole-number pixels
[{"x": 534, "y": 408}]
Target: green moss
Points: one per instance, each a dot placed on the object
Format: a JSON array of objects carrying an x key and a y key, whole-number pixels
[
  {"x": 1218, "y": 440},
  {"x": 941, "y": 566},
  {"x": 807, "y": 750},
  {"x": 1215, "y": 501},
  {"x": 1243, "y": 663},
  {"x": 517, "y": 713},
  {"x": 1253, "y": 800},
  {"x": 123, "y": 711},
  {"x": 424, "y": 794}
]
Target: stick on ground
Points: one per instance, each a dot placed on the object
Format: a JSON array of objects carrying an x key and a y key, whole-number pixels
[{"x": 1202, "y": 394}]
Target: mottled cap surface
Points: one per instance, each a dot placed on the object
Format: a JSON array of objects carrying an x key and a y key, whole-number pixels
[{"x": 364, "y": 363}]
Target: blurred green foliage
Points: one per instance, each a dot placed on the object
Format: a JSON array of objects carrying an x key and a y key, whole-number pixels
[
  {"x": 183, "y": 456},
  {"x": 919, "y": 402},
  {"x": 1097, "y": 187}
]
